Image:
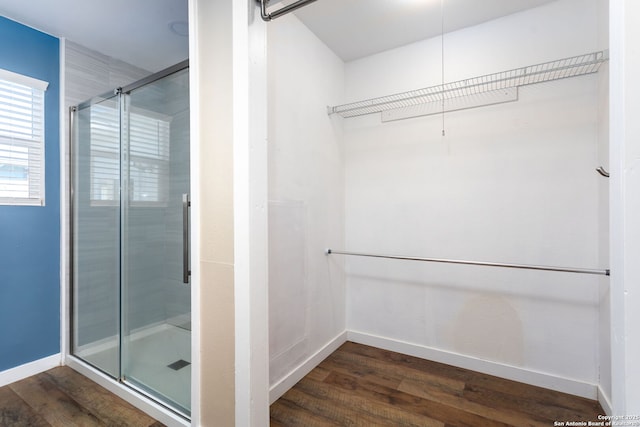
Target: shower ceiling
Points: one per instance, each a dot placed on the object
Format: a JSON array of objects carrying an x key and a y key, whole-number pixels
[
  {"x": 138, "y": 32},
  {"x": 357, "y": 28}
]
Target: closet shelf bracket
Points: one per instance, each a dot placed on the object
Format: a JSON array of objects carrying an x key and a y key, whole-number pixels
[
  {"x": 472, "y": 87},
  {"x": 602, "y": 171}
]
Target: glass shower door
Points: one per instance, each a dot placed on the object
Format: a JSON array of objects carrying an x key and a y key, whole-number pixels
[
  {"x": 96, "y": 234},
  {"x": 156, "y": 295}
]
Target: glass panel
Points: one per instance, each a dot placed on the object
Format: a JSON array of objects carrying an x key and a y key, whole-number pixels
[
  {"x": 156, "y": 329},
  {"x": 96, "y": 235}
]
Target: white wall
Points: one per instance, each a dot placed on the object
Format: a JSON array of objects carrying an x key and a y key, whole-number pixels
[
  {"x": 250, "y": 220},
  {"x": 604, "y": 322},
  {"x": 508, "y": 183},
  {"x": 229, "y": 262},
  {"x": 306, "y": 197},
  {"x": 625, "y": 207}
]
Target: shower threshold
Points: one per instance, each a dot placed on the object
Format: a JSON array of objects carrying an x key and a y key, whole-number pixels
[{"x": 149, "y": 363}]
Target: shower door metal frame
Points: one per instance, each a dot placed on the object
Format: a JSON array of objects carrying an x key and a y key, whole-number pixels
[
  {"x": 73, "y": 110},
  {"x": 71, "y": 342}
]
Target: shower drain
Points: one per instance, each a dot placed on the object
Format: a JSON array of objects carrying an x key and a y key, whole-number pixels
[{"x": 178, "y": 364}]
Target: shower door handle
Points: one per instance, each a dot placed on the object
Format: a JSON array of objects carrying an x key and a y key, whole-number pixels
[{"x": 186, "y": 271}]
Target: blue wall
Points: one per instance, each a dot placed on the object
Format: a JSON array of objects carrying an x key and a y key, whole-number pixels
[{"x": 30, "y": 235}]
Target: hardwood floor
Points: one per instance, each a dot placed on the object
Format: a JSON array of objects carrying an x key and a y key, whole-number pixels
[
  {"x": 62, "y": 397},
  {"x": 364, "y": 386}
]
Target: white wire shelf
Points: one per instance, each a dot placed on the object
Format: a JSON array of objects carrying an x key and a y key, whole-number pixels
[{"x": 555, "y": 70}]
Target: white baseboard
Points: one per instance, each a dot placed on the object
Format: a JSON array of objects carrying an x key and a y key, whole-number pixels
[
  {"x": 540, "y": 379},
  {"x": 605, "y": 402},
  {"x": 28, "y": 369},
  {"x": 305, "y": 367}
]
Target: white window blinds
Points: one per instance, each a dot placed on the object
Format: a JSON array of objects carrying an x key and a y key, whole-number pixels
[
  {"x": 21, "y": 139},
  {"x": 105, "y": 152},
  {"x": 148, "y": 167},
  {"x": 149, "y": 139}
]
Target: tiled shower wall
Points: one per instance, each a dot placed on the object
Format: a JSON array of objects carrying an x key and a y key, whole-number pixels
[{"x": 88, "y": 74}]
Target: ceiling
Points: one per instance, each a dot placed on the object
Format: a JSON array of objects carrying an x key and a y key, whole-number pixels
[
  {"x": 134, "y": 31},
  {"x": 138, "y": 32},
  {"x": 358, "y": 28}
]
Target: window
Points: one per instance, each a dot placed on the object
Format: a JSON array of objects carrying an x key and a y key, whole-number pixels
[
  {"x": 21, "y": 139},
  {"x": 105, "y": 153},
  {"x": 149, "y": 138},
  {"x": 149, "y": 143}
]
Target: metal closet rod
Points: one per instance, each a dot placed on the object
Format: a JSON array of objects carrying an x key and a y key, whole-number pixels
[
  {"x": 283, "y": 11},
  {"x": 481, "y": 263}
]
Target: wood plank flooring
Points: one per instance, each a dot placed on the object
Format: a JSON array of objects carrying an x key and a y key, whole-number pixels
[
  {"x": 62, "y": 397},
  {"x": 364, "y": 386}
]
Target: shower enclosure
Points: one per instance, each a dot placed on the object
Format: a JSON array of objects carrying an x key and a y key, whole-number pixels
[{"x": 131, "y": 315}]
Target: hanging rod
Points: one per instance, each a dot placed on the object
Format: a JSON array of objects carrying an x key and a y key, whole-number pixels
[
  {"x": 282, "y": 11},
  {"x": 554, "y": 70},
  {"x": 481, "y": 263}
]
